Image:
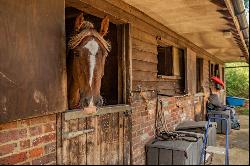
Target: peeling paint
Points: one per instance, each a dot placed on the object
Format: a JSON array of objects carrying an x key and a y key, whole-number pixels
[
  {"x": 3, "y": 104},
  {"x": 41, "y": 99},
  {"x": 144, "y": 137},
  {"x": 7, "y": 78},
  {"x": 183, "y": 116}
]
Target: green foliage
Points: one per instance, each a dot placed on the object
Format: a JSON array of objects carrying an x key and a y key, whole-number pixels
[
  {"x": 242, "y": 110},
  {"x": 237, "y": 80},
  {"x": 245, "y": 111},
  {"x": 246, "y": 3}
]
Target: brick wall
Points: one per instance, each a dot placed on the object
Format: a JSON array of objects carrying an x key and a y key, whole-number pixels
[
  {"x": 175, "y": 110},
  {"x": 30, "y": 141},
  {"x": 143, "y": 123}
]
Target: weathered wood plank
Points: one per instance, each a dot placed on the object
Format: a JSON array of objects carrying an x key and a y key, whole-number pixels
[
  {"x": 143, "y": 36},
  {"x": 82, "y": 143},
  {"x": 114, "y": 144},
  {"x": 142, "y": 46},
  {"x": 156, "y": 85},
  {"x": 66, "y": 149},
  {"x": 106, "y": 136},
  {"x": 127, "y": 138},
  {"x": 144, "y": 66},
  {"x": 73, "y": 150},
  {"x": 144, "y": 56},
  {"x": 93, "y": 149},
  {"x": 144, "y": 76},
  {"x": 78, "y": 113},
  {"x": 170, "y": 92},
  {"x": 121, "y": 139}
]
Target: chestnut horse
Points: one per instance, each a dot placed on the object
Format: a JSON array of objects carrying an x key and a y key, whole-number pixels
[{"x": 87, "y": 60}]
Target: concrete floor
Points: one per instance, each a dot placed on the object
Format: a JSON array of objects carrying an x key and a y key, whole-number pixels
[{"x": 238, "y": 145}]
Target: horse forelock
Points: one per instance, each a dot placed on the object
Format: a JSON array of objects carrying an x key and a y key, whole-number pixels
[{"x": 87, "y": 31}]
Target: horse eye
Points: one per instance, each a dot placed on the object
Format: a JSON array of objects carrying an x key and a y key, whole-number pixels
[{"x": 76, "y": 53}]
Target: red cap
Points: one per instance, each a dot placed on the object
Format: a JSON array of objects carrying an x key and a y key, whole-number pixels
[{"x": 218, "y": 81}]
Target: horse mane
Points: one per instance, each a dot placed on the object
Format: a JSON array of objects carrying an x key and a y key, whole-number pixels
[{"x": 88, "y": 30}]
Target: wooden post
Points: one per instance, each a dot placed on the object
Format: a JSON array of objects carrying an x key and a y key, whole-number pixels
[{"x": 128, "y": 63}]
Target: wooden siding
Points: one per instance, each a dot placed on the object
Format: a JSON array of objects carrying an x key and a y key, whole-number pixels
[
  {"x": 33, "y": 69},
  {"x": 144, "y": 64},
  {"x": 190, "y": 71}
]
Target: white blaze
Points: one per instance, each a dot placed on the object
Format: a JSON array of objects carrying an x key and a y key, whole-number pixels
[
  {"x": 91, "y": 102},
  {"x": 93, "y": 47}
]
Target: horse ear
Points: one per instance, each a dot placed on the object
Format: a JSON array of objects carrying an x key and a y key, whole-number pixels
[
  {"x": 78, "y": 22},
  {"x": 104, "y": 26}
]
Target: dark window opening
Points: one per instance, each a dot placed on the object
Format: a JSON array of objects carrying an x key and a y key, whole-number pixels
[
  {"x": 211, "y": 70},
  {"x": 217, "y": 70},
  {"x": 109, "y": 86},
  {"x": 165, "y": 61},
  {"x": 199, "y": 72},
  {"x": 171, "y": 66}
]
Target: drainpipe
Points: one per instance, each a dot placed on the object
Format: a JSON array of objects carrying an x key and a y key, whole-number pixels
[{"x": 239, "y": 10}]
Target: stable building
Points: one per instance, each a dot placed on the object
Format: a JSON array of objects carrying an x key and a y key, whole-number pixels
[{"x": 163, "y": 55}]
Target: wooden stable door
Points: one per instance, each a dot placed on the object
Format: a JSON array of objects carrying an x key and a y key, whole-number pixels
[
  {"x": 199, "y": 107},
  {"x": 32, "y": 59},
  {"x": 100, "y": 139}
]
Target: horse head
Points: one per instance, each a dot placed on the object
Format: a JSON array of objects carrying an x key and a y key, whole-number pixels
[{"x": 88, "y": 52}]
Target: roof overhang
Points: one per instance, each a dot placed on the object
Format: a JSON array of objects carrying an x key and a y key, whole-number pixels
[{"x": 210, "y": 24}]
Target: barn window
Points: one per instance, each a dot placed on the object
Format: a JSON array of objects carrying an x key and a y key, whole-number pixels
[
  {"x": 170, "y": 62},
  {"x": 217, "y": 70},
  {"x": 199, "y": 72},
  {"x": 211, "y": 72},
  {"x": 112, "y": 84},
  {"x": 165, "y": 61},
  {"x": 171, "y": 66},
  {"x": 214, "y": 70}
]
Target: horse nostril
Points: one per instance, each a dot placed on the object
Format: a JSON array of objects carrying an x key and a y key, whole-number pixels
[
  {"x": 84, "y": 102},
  {"x": 99, "y": 101}
]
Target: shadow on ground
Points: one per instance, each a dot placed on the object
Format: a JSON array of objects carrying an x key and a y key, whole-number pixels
[{"x": 238, "y": 145}]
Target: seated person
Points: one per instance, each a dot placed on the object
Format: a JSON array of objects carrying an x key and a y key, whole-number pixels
[{"x": 214, "y": 104}]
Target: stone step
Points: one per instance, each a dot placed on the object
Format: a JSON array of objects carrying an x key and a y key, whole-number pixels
[{"x": 215, "y": 150}]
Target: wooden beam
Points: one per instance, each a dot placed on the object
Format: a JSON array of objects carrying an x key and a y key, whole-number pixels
[
  {"x": 236, "y": 67},
  {"x": 231, "y": 10},
  {"x": 231, "y": 25},
  {"x": 225, "y": 13},
  {"x": 219, "y": 3},
  {"x": 79, "y": 113}
]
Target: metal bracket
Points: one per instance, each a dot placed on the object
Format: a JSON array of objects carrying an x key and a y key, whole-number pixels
[
  {"x": 69, "y": 135},
  {"x": 127, "y": 112}
]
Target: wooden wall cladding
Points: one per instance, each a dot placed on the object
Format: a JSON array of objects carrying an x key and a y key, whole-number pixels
[{"x": 32, "y": 58}]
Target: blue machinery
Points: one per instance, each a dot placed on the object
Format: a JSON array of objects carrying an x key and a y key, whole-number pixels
[{"x": 203, "y": 152}]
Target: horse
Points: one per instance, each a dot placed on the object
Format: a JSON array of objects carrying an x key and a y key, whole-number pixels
[{"x": 88, "y": 52}]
